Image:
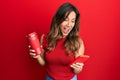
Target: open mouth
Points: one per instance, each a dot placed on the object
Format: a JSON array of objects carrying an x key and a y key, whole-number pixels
[{"x": 66, "y": 30}]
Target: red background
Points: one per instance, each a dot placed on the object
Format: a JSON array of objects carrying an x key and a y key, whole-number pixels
[{"x": 99, "y": 29}]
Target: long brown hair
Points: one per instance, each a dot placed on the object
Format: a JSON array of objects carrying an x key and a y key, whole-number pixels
[{"x": 72, "y": 43}]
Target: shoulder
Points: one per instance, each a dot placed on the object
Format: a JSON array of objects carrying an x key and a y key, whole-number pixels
[{"x": 81, "y": 41}]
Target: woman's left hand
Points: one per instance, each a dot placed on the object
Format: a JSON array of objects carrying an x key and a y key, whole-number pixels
[{"x": 77, "y": 67}]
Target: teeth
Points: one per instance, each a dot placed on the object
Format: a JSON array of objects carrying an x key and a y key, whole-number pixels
[{"x": 66, "y": 30}]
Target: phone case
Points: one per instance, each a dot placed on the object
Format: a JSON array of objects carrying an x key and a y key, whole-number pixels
[{"x": 81, "y": 59}]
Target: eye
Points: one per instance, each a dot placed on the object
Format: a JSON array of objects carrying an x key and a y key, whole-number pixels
[{"x": 73, "y": 21}]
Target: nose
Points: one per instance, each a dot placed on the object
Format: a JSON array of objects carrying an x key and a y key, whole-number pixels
[{"x": 68, "y": 23}]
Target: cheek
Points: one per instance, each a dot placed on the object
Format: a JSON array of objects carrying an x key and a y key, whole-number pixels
[
  {"x": 62, "y": 25},
  {"x": 73, "y": 25}
]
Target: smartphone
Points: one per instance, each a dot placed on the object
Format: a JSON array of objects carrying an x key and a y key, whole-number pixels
[{"x": 81, "y": 59}]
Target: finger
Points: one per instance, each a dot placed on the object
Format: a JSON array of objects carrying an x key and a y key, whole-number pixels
[
  {"x": 76, "y": 65},
  {"x": 32, "y": 54},
  {"x": 80, "y": 64},
  {"x": 41, "y": 39},
  {"x": 31, "y": 50},
  {"x": 73, "y": 66}
]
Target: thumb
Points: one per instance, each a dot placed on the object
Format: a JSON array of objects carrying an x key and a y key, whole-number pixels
[{"x": 41, "y": 38}]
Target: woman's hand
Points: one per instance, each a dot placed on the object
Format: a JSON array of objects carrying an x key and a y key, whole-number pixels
[
  {"x": 39, "y": 57},
  {"x": 32, "y": 53},
  {"x": 77, "y": 67}
]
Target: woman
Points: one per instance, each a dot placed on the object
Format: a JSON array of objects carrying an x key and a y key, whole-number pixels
[{"x": 62, "y": 45}]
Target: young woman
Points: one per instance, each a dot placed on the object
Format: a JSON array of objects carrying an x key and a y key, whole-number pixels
[{"x": 62, "y": 45}]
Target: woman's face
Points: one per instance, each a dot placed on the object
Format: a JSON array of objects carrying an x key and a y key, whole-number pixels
[{"x": 67, "y": 25}]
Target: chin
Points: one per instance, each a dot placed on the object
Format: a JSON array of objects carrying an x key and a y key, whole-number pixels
[{"x": 64, "y": 35}]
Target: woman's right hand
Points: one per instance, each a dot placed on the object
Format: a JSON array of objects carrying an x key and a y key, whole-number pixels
[
  {"x": 33, "y": 53},
  {"x": 39, "y": 57}
]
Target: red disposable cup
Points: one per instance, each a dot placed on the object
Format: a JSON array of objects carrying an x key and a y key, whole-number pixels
[{"x": 34, "y": 42}]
